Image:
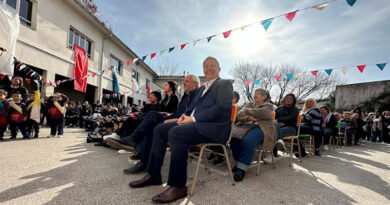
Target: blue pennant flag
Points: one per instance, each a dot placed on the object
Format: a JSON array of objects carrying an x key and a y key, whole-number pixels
[
  {"x": 266, "y": 23},
  {"x": 381, "y": 66},
  {"x": 171, "y": 49},
  {"x": 143, "y": 58},
  {"x": 328, "y": 71},
  {"x": 210, "y": 37},
  {"x": 289, "y": 76},
  {"x": 351, "y": 2},
  {"x": 257, "y": 82}
]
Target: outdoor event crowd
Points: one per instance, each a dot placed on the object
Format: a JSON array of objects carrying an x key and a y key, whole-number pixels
[{"x": 202, "y": 115}]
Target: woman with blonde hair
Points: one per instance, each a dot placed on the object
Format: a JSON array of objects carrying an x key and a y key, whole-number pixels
[{"x": 312, "y": 122}]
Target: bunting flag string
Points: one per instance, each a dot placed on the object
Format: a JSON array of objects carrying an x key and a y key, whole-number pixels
[
  {"x": 266, "y": 23},
  {"x": 328, "y": 71}
]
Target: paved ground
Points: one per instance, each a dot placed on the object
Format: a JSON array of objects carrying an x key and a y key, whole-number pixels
[{"x": 69, "y": 171}]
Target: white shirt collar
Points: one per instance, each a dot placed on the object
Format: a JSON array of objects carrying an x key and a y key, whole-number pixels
[{"x": 209, "y": 83}]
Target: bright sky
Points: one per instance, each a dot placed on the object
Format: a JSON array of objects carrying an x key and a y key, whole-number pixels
[{"x": 337, "y": 36}]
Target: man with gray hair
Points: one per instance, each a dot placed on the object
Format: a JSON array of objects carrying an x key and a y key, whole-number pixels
[{"x": 143, "y": 135}]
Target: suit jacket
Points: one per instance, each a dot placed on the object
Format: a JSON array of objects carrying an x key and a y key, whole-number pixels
[{"x": 213, "y": 110}]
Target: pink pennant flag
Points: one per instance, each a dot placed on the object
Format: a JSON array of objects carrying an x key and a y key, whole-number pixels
[
  {"x": 361, "y": 68},
  {"x": 314, "y": 72},
  {"x": 182, "y": 46},
  {"x": 277, "y": 78},
  {"x": 93, "y": 75},
  {"x": 28, "y": 80},
  {"x": 128, "y": 63},
  {"x": 226, "y": 33},
  {"x": 153, "y": 55},
  {"x": 124, "y": 93},
  {"x": 110, "y": 68},
  {"x": 247, "y": 82},
  {"x": 290, "y": 16}
]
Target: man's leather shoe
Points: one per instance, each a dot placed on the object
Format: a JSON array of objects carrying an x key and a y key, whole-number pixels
[
  {"x": 139, "y": 167},
  {"x": 146, "y": 181},
  {"x": 169, "y": 195},
  {"x": 120, "y": 144}
]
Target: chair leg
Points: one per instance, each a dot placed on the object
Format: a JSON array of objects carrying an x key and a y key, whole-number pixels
[
  {"x": 299, "y": 150},
  {"x": 197, "y": 170},
  {"x": 258, "y": 162},
  {"x": 228, "y": 164},
  {"x": 322, "y": 144},
  {"x": 206, "y": 163},
  {"x": 291, "y": 151}
]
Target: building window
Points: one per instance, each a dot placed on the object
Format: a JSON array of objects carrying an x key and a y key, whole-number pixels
[
  {"x": 11, "y": 3},
  {"x": 25, "y": 12},
  {"x": 135, "y": 75},
  {"x": 80, "y": 40},
  {"x": 115, "y": 63}
]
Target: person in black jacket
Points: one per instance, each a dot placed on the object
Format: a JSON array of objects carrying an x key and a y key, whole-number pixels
[
  {"x": 286, "y": 120},
  {"x": 359, "y": 131},
  {"x": 56, "y": 110},
  {"x": 17, "y": 87},
  {"x": 329, "y": 125},
  {"x": 72, "y": 115},
  {"x": 170, "y": 101}
]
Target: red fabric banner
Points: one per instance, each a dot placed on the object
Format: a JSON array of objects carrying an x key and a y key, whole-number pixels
[{"x": 80, "y": 68}]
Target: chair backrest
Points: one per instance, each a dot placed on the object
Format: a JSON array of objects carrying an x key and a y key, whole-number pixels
[
  {"x": 273, "y": 117},
  {"x": 299, "y": 122},
  {"x": 232, "y": 119},
  {"x": 342, "y": 126}
]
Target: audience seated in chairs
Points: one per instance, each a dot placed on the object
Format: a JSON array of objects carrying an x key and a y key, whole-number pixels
[
  {"x": 254, "y": 127},
  {"x": 286, "y": 121},
  {"x": 328, "y": 126},
  {"x": 350, "y": 127},
  {"x": 312, "y": 119},
  {"x": 207, "y": 120}
]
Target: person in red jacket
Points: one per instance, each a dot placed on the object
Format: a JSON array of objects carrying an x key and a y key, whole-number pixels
[
  {"x": 17, "y": 116},
  {"x": 4, "y": 109},
  {"x": 56, "y": 110}
]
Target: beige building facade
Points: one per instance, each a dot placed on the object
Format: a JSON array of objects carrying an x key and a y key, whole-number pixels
[{"x": 48, "y": 30}]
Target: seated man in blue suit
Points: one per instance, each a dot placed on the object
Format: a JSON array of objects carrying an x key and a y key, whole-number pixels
[{"x": 206, "y": 120}]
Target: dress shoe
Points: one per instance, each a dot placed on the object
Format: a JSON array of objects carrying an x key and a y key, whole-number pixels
[
  {"x": 121, "y": 144},
  {"x": 169, "y": 195},
  {"x": 317, "y": 152},
  {"x": 139, "y": 167},
  {"x": 239, "y": 175},
  {"x": 135, "y": 156},
  {"x": 146, "y": 181}
]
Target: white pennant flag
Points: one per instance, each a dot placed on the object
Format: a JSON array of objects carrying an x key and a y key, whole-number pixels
[
  {"x": 196, "y": 42},
  {"x": 344, "y": 70},
  {"x": 301, "y": 75},
  {"x": 162, "y": 52},
  {"x": 135, "y": 60},
  {"x": 320, "y": 7}
]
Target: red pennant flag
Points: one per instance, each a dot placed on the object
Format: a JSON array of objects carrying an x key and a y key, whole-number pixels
[
  {"x": 153, "y": 55},
  {"x": 49, "y": 83},
  {"x": 28, "y": 80},
  {"x": 226, "y": 33},
  {"x": 93, "y": 75},
  {"x": 361, "y": 68},
  {"x": 182, "y": 46},
  {"x": 290, "y": 16},
  {"x": 247, "y": 82},
  {"x": 128, "y": 63},
  {"x": 45, "y": 80},
  {"x": 2, "y": 76},
  {"x": 110, "y": 68},
  {"x": 133, "y": 92},
  {"x": 57, "y": 82},
  {"x": 124, "y": 93},
  {"x": 314, "y": 72},
  {"x": 277, "y": 78}
]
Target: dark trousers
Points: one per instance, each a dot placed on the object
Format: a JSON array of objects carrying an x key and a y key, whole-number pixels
[
  {"x": 32, "y": 124},
  {"x": 3, "y": 128},
  {"x": 180, "y": 138},
  {"x": 57, "y": 124},
  {"x": 128, "y": 127},
  {"x": 316, "y": 134},
  {"x": 13, "y": 126}
]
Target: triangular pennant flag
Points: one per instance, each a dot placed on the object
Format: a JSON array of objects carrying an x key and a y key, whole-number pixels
[
  {"x": 328, "y": 71},
  {"x": 22, "y": 67},
  {"x": 143, "y": 58},
  {"x": 182, "y": 46},
  {"x": 171, "y": 49},
  {"x": 344, "y": 70},
  {"x": 314, "y": 72},
  {"x": 289, "y": 76},
  {"x": 361, "y": 68},
  {"x": 162, "y": 52},
  {"x": 257, "y": 81},
  {"x": 267, "y": 23},
  {"x": 381, "y": 66},
  {"x": 247, "y": 82},
  {"x": 243, "y": 28},
  {"x": 128, "y": 63},
  {"x": 110, "y": 68},
  {"x": 290, "y": 16},
  {"x": 320, "y": 7},
  {"x": 28, "y": 80},
  {"x": 277, "y": 78},
  {"x": 153, "y": 55},
  {"x": 135, "y": 60},
  {"x": 351, "y": 2},
  {"x": 301, "y": 75},
  {"x": 226, "y": 33},
  {"x": 124, "y": 93},
  {"x": 93, "y": 75},
  {"x": 57, "y": 82},
  {"x": 195, "y": 42},
  {"x": 101, "y": 73},
  {"x": 210, "y": 37}
]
